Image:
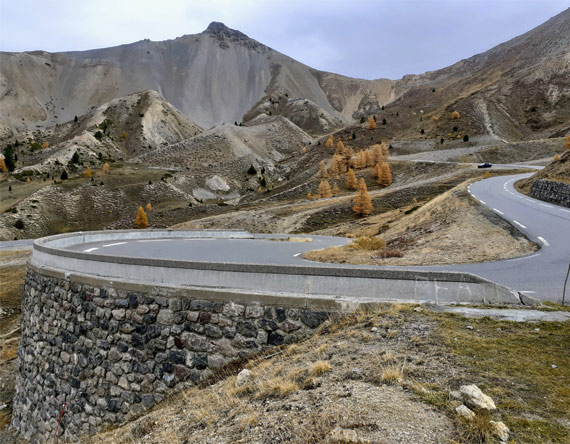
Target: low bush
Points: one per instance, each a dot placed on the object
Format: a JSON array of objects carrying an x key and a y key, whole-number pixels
[{"x": 368, "y": 243}]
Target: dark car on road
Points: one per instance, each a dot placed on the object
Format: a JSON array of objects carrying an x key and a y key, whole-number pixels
[{"x": 484, "y": 165}]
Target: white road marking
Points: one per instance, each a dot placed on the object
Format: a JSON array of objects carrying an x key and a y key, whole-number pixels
[
  {"x": 116, "y": 243},
  {"x": 154, "y": 240},
  {"x": 484, "y": 203},
  {"x": 197, "y": 239},
  {"x": 527, "y": 291},
  {"x": 295, "y": 255},
  {"x": 89, "y": 250},
  {"x": 498, "y": 211},
  {"x": 519, "y": 224},
  {"x": 544, "y": 241},
  {"x": 544, "y": 205},
  {"x": 567, "y": 211},
  {"x": 523, "y": 258}
]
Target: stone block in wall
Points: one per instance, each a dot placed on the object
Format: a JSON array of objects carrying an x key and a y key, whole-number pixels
[
  {"x": 551, "y": 191},
  {"x": 109, "y": 353}
]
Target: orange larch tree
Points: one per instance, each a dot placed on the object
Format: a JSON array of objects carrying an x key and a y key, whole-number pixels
[
  {"x": 351, "y": 180},
  {"x": 141, "y": 221},
  {"x": 360, "y": 160},
  {"x": 336, "y": 165},
  {"x": 385, "y": 177},
  {"x": 377, "y": 171},
  {"x": 362, "y": 201},
  {"x": 372, "y": 123},
  {"x": 369, "y": 159},
  {"x": 385, "y": 152},
  {"x": 330, "y": 142},
  {"x": 339, "y": 148},
  {"x": 324, "y": 189},
  {"x": 377, "y": 154}
]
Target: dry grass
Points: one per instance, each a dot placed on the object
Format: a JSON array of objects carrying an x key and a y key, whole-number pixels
[
  {"x": 512, "y": 363},
  {"x": 368, "y": 243},
  {"x": 444, "y": 230},
  {"x": 495, "y": 355},
  {"x": 275, "y": 387},
  {"x": 392, "y": 374},
  {"x": 318, "y": 368}
]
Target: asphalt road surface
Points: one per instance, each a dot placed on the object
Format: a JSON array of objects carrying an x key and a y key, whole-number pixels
[{"x": 539, "y": 275}]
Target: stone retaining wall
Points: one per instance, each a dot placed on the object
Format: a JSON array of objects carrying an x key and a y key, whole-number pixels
[
  {"x": 108, "y": 353},
  {"x": 550, "y": 191}
]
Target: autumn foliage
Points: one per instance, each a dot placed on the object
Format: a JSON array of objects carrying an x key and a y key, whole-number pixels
[
  {"x": 330, "y": 142},
  {"x": 567, "y": 143},
  {"x": 385, "y": 175},
  {"x": 148, "y": 206},
  {"x": 141, "y": 220},
  {"x": 372, "y": 123},
  {"x": 362, "y": 201},
  {"x": 455, "y": 115},
  {"x": 351, "y": 180},
  {"x": 88, "y": 173},
  {"x": 376, "y": 174},
  {"x": 106, "y": 168},
  {"x": 325, "y": 189},
  {"x": 3, "y": 166},
  {"x": 336, "y": 166}
]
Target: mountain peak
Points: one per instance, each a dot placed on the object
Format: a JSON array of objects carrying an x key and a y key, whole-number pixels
[{"x": 219, "y": 29}]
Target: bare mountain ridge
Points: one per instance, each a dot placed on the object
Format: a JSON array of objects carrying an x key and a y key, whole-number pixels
[
  {"x": 213, "y": 77},
  {"x": 221, "y": 75},
  {"x": 120, "y": 129},
  {"x": 517, "y": 90}
]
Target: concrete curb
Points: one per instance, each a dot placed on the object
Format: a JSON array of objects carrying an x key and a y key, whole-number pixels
[{"x": 356, "y": 284}]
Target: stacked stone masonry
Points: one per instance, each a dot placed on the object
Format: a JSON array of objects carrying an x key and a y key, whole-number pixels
[
  {"x": 109, "y": 354},
  {"x": 550, "y": 191}
]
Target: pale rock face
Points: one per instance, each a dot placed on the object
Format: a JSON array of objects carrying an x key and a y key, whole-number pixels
[
  {"x": 476, "y": 398},
  {"x": 500, "y": 430},
  {"x": 217, "y": 183},
  {"x": 243, "y": 378},
  {"x": 465, "y": 412}
]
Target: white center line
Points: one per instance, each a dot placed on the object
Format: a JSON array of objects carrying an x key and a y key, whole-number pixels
[
  {"x": 155, "y": 240},
  {"x": 500, "y": 212},
  {"x": 116, "y": 243},
  {"x": 519, "y": 224},
  {"x": 89, "y": 250},
  {"x": 544, "y": 241}
]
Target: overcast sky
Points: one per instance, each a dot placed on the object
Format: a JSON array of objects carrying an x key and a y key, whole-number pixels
[{"x": 358, "y": 38}]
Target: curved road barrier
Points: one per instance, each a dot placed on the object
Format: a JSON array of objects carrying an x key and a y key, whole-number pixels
[{"x": 110, "y": 335}]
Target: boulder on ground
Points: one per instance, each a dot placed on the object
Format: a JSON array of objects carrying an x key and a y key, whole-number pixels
[{"x": 475, "y": 398}]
